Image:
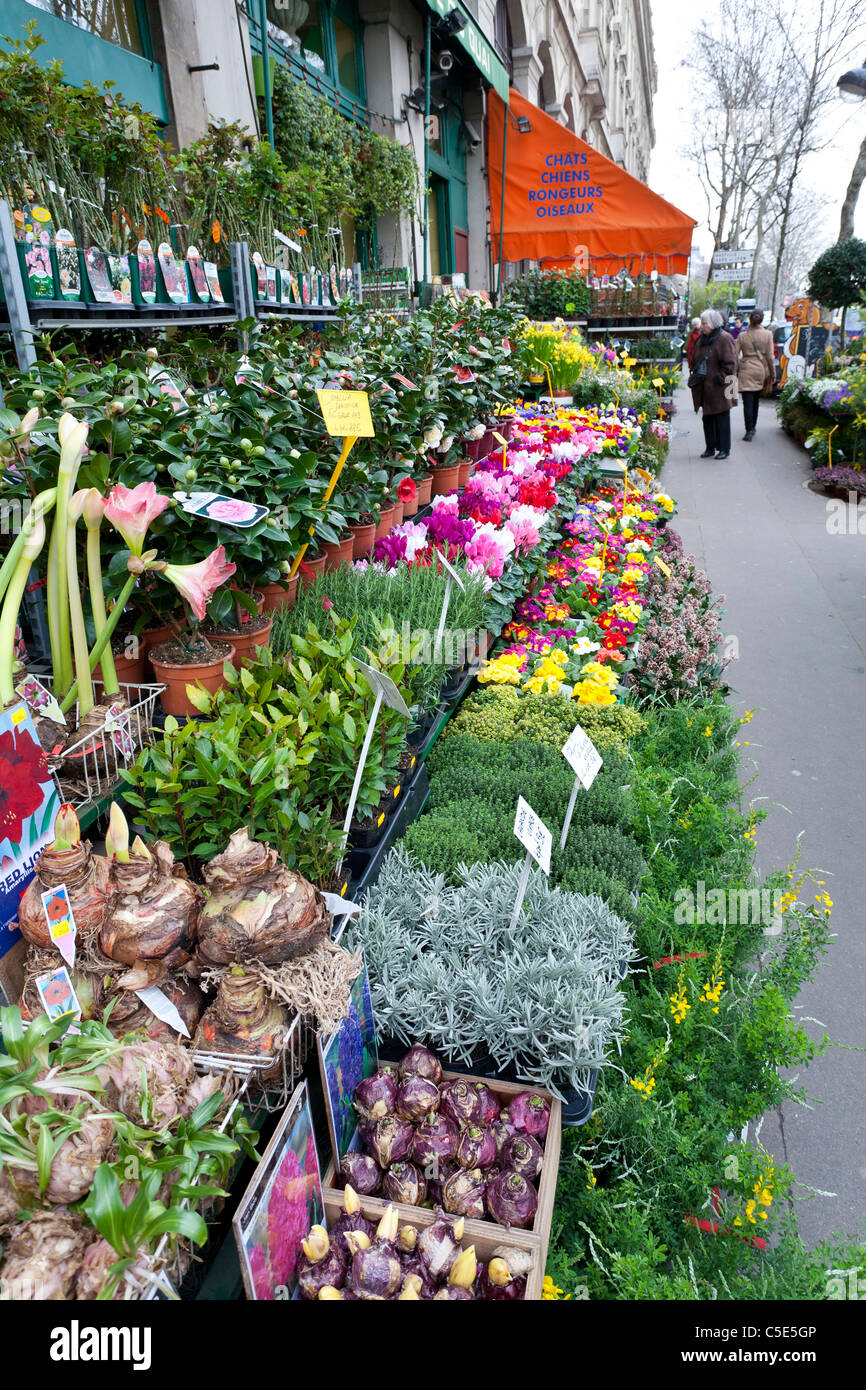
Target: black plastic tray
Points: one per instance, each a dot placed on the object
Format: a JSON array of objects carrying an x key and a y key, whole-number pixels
[{"x": 364, "y": 865}]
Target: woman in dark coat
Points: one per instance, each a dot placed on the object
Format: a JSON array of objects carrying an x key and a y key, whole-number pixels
[{"x": 713, "y": 381}]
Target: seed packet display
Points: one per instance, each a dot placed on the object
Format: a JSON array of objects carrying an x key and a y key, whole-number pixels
[
  {"x": 285, "y": 286},
  {"x": 99, "y": 275},
  {"x": 271, "y": 283},
  {"x": 121, "y": 284},
  {"x": 213, "y": 282},
  {"x": 197, "y": 274},
  {"x": 67, "y": 264},
  {"x": 173, "y": 273},
  {"x": 324, "y": 291},
  {"x": 146, "y": 271},
  {"x": 306, "y": 292}
]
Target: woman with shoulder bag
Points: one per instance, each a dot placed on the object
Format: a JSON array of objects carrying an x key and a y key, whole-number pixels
[
  {"x": 713, "y": 383},
  {"x": 757, "y": 369}
]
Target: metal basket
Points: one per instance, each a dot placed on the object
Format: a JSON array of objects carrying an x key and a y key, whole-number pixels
[
  {"x": 273, "y": 1093},
  {"x": 90, "y": 768}
]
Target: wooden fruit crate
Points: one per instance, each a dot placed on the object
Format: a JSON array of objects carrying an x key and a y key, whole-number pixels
[
  {"x": 484, "y": 1235},
  {"x": 493, "y": 1234}
]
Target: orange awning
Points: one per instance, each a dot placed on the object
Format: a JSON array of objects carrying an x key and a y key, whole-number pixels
[{"x": 565, "y": 202}]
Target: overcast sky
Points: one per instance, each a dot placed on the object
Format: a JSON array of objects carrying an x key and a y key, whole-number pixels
[{"x": 674, "y": 22}]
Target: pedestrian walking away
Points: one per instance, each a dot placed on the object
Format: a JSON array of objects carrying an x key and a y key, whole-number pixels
[
  {"x": 757, "y": 369},
  {"x": 713, "y": 383}
]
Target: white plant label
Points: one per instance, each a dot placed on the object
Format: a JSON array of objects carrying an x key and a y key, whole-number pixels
[
  {"x": 340, "y": 907},
  {"x": 582, "y": 756},
  {"x": 449, "y": 568},
  {"x": 381, "y": 683},
  {"x": 533, "y": 834},
  {"x": 160, "y": 1004}
]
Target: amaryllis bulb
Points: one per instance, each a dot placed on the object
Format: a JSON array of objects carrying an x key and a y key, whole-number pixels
[
  {"x": 140, "y": 849},
  {"x": 117, "y": 839},
  {"x": 67, "y": 828}
]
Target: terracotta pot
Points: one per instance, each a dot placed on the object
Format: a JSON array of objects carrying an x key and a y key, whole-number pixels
[
  {"x": 208, "y": 674},
  {"x": 277, "y": 597},
  {"x": 488, "y": 443},
  {"x": 423, "y": 494},
  {"x": 399, "y": 513},
  {"x": 386, "y": 521},
  {"x": 445, "y": 480},
  {"x": 473, "y": 447},
  {"x": 464, "y": 471},
  {"x": 311, "y": 567},
  {"x": 410, "y": 508},
  {"x": 152, "y": 637},
  {"x": 339, "y": 554},
  {"x": 130, "y": 671},
  {"x": 362, "y": 540},
  {"x": 245, "y": 643}
]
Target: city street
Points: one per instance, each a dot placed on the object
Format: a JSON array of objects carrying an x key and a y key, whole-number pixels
[{"x": 794, "y": 601}]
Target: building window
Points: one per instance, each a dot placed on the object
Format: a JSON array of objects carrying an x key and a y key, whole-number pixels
[
  {"x": 321, "y": 42},
  {"x": 502, "y": 35},
  {"x": 121, "y": 22}
]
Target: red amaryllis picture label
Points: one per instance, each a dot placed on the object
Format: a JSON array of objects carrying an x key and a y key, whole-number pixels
[
  {"x": 463, "y": 374},
  {"x": 404, "y": 381},
  {"x": 23, "y": 767},
  {"x": 406, "y": 490}
]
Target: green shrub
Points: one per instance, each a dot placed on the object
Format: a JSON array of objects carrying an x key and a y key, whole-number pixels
[{"x": 506, "y": 713}]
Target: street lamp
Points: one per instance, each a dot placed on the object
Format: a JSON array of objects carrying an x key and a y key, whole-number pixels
[
  {"x": 852, "y": 87},
  {"x": 852, "y": 84}
]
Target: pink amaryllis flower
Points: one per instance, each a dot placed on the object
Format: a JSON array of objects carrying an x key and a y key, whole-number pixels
[
  {"x": 132, "y": 509},
  {"x": 198, "y": 583}
]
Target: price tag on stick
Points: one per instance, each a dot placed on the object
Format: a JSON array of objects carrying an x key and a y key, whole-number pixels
[
  {"x": 347, "y": 414},
  {"x": 582, "y": 755},
  {"x": 537, "y": 840},
  {"x": 385, "y": 691},
  {"x": 450, "y": 573}
]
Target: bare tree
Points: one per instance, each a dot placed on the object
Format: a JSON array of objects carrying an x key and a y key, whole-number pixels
[{"x": 858, "y": 174}]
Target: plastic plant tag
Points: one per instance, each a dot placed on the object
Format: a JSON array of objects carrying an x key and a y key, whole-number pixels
[
  {"x": 67, "y": 264},
  {"x": 173, "y": 273},
  {"x": 195, "y": 265},
  {"x": 533, "y": 834},
  {"x": 116, "y": 724},
  {"x": 160, "y": 1005},
  {"x": 379, "y": 681},
  {"x": 287, "y": 241},
  {"x": 146, "y": 271},
  {"x": 61, "y": 921},
  {"x": 271, "y": 284},
  {"x": 211, "y": 274},
  {"x": 58, "y": 994},
  {"x": 346, "y": 413},
  {"x": 121, "y": 284},
  {"x": 213, "y": 506},
  {"x": 36, "y": 232},
  {"x": 582, "y": 756},
  {"x": 449, "y": 568},
  {"x": 335, "y": 284},
  {"x": 99, "y": 275},
  {"x": 665, "y": 569},
  {"x": 40, "y": 700},
  {"x": 340, "y": 907}
]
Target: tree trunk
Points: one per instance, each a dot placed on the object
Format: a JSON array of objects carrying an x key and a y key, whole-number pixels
[
  {"x": 858, "y": 174},
  {"x": 842, "y": 329}
]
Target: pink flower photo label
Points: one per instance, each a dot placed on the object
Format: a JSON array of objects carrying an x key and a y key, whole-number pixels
[
  {"x": 227, "y": 511},
  {"x": 61, "y": 921}
]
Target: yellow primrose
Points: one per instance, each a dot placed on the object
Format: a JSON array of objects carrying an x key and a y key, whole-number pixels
[
  {"x": 647, "y": 516},
  {"x": 636, "y": 557},
  {"x": 633, "y": 576},
  {"x": 537, "y": 684},
  {"x": 591, "y": 693},
  {"x": 500, "y": 672},
  {"x": 664, "y": 501},
  {"x": 559, "y": 657},
  {"x": 594, "y": 670}
]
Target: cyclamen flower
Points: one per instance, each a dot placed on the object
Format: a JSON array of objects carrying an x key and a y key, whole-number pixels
[
  {"x": 526, "y": 537},
  {"x": 446, "y": 504},
  {"x": 390, "y": 551},
  {"x": 415, "y": 533}
]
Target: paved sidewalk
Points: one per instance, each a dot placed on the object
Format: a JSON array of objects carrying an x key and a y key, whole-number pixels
[{"x": 796, "y": 603}]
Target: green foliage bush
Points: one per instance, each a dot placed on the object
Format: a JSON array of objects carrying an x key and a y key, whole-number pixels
[
  {"x": 548, "y": 294},
  {"x": 505, "y": 713}
]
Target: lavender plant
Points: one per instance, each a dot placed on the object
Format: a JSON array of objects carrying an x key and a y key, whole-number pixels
[{"x": 446, "y": 966}]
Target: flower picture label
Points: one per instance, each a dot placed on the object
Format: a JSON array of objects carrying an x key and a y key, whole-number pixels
[
  {"x": 146, "y": 271},
  {"x": 160, "y": 1005},
  {"x": 40, "y": 700},
  {"x": 533, "y": 834},
  {"x": 61, "y": 921},
  {"x": 58, "y": 994},
  {"x": 582, "y": 755},
  {"x": 347, "y": 413},
  {"x": 213, "y": 506},
  {"x": 67, "y": 264}
]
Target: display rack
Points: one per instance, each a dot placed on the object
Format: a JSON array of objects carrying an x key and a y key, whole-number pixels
[{"x": 25, "y": 319}]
